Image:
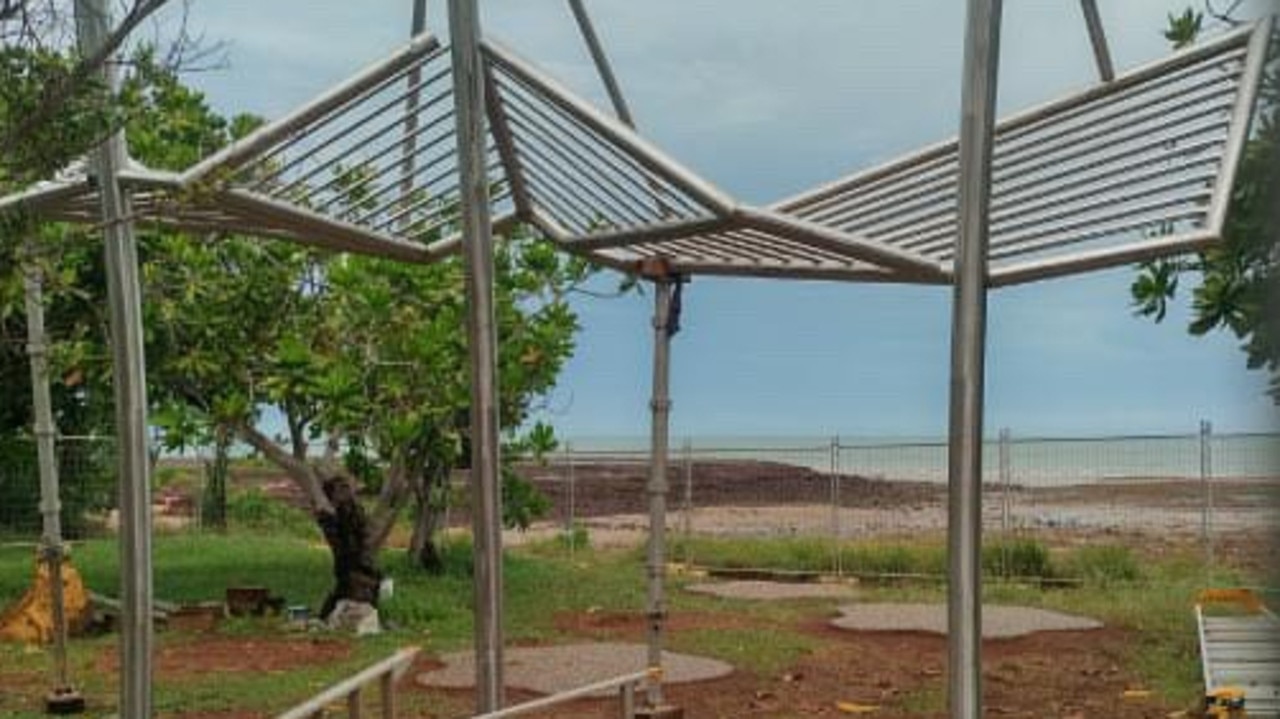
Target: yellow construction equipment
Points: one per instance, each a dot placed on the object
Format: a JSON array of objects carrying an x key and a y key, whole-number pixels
[
  {"x": 30, "y": 620},
  {"x": 1225, "y": 703}
]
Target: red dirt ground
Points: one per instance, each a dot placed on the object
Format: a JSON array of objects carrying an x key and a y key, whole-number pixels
[
  {"x": 226, "y": 655},
  {"x": 1062, "y": 675},
  {"x": 1059, "y": 675}
]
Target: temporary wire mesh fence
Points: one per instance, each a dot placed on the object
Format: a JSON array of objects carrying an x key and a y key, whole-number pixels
[
  {"x": 86, "y": 469},
  {"x": 850, "y": 507},
  {"x": 880, "y": 508}
]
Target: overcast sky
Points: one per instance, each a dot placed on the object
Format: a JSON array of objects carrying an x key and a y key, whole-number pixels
[{"x": 766, "y": 98}]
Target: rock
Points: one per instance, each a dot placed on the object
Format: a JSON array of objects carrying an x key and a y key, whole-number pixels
[{"x": 359, "y": 617}]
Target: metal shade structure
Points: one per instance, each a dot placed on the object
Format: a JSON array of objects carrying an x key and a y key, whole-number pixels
[
  {"x": 427, "y": 151},
  {"x": 1133, "y": 168}
]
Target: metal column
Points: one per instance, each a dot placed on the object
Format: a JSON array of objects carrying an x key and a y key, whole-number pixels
[
  {"x": 51, "y": 549},
  {"x": 660, "y": 406},
  {"x": 968, "y": 340},
  {"x": 124, "y": 306},
  {"x": 486, "y": 513}
]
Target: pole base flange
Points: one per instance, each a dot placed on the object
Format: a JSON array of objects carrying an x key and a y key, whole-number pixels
[
  {"x": 665, "y": 711},
  {"x": 63, "y": 702}
]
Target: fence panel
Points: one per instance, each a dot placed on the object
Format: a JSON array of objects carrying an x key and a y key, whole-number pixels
[
  {"x": 875, "y": 508},
  {"x": 86, "y": 473}
]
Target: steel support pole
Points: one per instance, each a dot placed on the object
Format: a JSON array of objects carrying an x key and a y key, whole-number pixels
[
  {"x": 968, "y": 344},
  {"x": 601, "y": 60},
  {"x": 410, "y": 149},
  {"x": 419, "y": 22},
  {"x": 1098, "y": 39},
  {"x": 124, "y": 313},
  {"x": 660, "y": 407},
  {"x": 486, "y": 492},
  {"x": 51, "y": 549}
]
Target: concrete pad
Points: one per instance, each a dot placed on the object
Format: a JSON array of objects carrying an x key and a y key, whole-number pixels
[
  {"x": 998, "y": 622},
  {"x": 552, "y": 669},
  {"x": 772, "y": 591}
]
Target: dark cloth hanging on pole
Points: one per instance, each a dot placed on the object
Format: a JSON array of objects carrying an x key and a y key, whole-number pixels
[{"x": 673, "y": 320}]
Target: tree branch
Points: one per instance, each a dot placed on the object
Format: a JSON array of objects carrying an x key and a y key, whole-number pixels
[
  {"x": 394, "y": 495},
  {"x": 300, "y": 472},
  {"x": 56, "y": 94}
]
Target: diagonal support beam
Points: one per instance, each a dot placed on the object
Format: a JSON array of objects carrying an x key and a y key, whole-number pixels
[
  {"x": 46, "y": 195},
  {"x": 500, "y": 129},
  {"x": 611, "y": 130},
  {"x": 1098, "y": 38},
  {"x": 324, "y": 232},
  {"x": 1241, "y": 117},
  {"x": 648, "y": 234},
  {"x": 832, "y": 240},
  {"x": 1088, "y": 261}
]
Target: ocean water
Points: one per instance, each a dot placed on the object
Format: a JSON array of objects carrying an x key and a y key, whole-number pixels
[{"x": 1025, "y": 461}]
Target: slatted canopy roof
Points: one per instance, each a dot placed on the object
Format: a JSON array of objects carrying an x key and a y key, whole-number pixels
[{"x": 1134, "y": 168}]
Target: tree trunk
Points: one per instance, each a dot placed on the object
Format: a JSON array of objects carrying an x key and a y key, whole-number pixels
[
  {"x": 431, "y": 500},
  {"x": 355, "y": 572},
  {"x": 213, "y": 503}
]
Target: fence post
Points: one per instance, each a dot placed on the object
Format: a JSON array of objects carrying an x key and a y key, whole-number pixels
[
  {"x": 387, "y": 685},
  {"x": 571, "y": 502},
  {"x": 1006, "y": 510},
  {"x": 834, "y": 466},
  {"x": 686, "y": 520},
  {"x": 1206, "y": 483}
]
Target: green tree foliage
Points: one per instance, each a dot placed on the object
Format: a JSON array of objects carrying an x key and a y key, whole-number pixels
[{"x": 1237, "y": 278}]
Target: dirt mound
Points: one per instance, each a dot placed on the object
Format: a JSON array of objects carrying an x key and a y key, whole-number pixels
[{"x": 610, "y": 487}]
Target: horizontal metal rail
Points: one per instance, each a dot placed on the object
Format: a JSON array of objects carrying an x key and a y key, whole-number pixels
[
  {"x": 625, "y": 684},
  {"x": 384, "y": 673}
]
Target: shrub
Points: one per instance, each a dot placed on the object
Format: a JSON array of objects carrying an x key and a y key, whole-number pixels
[
  {"x": 253, "y": 509},
  {"x": 1105, "y": 563},
  {"x": 576, "y": 537},
  {"x": 1017, "y": 558}
]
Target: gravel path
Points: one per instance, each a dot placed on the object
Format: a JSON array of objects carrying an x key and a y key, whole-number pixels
[
  {"x": 547, "y": 670},
  {"x": 768, "y": 591},
  {"x": 998, "y": 622}
]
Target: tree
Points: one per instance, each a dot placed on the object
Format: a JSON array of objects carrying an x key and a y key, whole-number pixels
[
  {"x": 169, "y": 127},
  {"x": 1237, "y": 278},
  {"x": 54, "y": 106},
  {"x": 365, "y": 355}
]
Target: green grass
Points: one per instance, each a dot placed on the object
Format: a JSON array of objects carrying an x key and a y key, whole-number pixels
[
  {"x": 1153, "y": 602},
  {"x": 1015, "y": 558},
  {"x": 765, "y": 651},
  {"x": 928, "y": 699}
]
